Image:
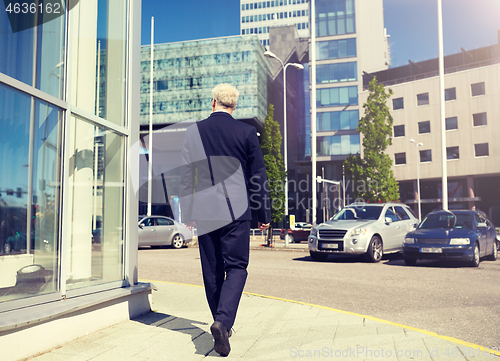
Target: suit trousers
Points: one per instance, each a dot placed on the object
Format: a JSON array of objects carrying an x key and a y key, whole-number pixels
[{"x": 224, "y": 255}]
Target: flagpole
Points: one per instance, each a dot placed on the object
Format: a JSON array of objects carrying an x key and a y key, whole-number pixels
[{"x": 150, "y": 145}]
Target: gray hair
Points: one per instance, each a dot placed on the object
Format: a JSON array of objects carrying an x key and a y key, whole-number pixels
[{"x": 226, "y": 95}]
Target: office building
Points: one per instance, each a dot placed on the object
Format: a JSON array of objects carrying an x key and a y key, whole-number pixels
[
  {"x": 350, "y": 39},
  {"x": 259, "y": 17},
  {"x": 472, "y": 90},
  {"x": 184, "y": 75},
  {"x": 68, "y": 210}
]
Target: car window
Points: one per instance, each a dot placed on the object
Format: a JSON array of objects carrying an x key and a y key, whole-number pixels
[
  {"x": 410, "y": 212},
  {"x": 463, "y": 221},
  {"x": 400, "y": 211},
  {"x": 165, "y": 222},
  {"x": 361, "y": 212},
  {"x": 390, "y": 213},
  {"x": 440, "y": 220},
  {"x": 476, "y": 219},
  {"x": 148, "y": 222}
]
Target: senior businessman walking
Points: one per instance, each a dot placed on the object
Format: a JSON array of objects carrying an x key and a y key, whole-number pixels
[{"x": 223, "y": 180}]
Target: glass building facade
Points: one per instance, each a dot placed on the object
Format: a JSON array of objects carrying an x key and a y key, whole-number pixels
[
  {"x": 63, "y": 150},
  {"x": 186, "y": 72}
]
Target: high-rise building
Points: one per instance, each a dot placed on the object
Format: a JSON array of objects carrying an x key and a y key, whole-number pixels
[
  {"x": 258, "y": 17},
  {"x": 350, "y": 40}
]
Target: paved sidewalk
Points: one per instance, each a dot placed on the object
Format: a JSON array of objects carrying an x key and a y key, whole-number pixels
[{"x": 265, "y": 329}]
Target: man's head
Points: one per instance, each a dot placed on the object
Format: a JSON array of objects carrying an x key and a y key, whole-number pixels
[{"x": 224, "y": 97}]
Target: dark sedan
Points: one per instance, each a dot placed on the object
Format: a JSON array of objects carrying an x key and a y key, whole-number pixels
[{"x": 452, "y": 235}]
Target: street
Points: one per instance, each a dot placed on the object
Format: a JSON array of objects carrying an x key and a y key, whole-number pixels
[{"x": 450, "y": 299}]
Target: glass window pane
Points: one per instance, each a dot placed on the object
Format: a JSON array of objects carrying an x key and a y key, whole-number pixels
[
  {"x": 424, "y": 127},
  {"x": 479, "y": 119},
  {"x": 342, "y": 46},
  {"x": 335, "y": 120},
  {"x": 344, "y": 96},
  {"x": 397, "y": 103},
  {"x": 99, "y": 66},
  {"x": 344, "y": 120},
  {"x": 426, "y": 155},
  {"x": 399, "y": 130},
  {"x": 355, "y": 148},
  {"x": 335, "y": 148},
  {"x": 450, "y": 94},
  {"x": 451, "y": 123},
  {"x": 351, "y": 47},
  {"x": 43, "y": 44},
  {"x": 477, "y": 89},
  {"x": 422, "y": 99},
  {"x": 452, "y": 153},
  {"x": 400, "y": 158},
  {"x": 95, "y": 203},
  {"x": 28, "y": 210},
  {"x": 353, "y": 95},
  {"x": 345, "y": 144},
  {"x": 354, "y": 118},
  {"x": 481, "y": 150}
]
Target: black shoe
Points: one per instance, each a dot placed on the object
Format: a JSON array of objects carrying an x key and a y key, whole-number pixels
[{"x": 221, "y": 338}]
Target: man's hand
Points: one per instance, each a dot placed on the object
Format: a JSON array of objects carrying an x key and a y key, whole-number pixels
[{"x": 263, "y": 226}]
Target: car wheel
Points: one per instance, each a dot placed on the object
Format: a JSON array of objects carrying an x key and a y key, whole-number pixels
[
  {"x": 177, "y": 241},
  {"x": 410, "y": 261},
  {"x": 494, "y": 253},
  {"x": 289, "y": 238},
  {"x": 318, "y": 256},
  {"x": 475, "y": 258},
  {"x": 375, "y": 250}
]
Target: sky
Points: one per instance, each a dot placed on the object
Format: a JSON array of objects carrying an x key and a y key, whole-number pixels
[{"x": 412, "y": 24}]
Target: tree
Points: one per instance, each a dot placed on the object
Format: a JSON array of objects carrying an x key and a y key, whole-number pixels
[
  {"x": 275, "y": 168},
  {"x": 371, "y": 177}
]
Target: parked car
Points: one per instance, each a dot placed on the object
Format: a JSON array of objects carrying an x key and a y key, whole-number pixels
[
  {"x": 157, "y": 231},
  {"x": 363, "y": 228},
  {"x": 298, "y": 233},
  {"x": 452, "y": 235}
]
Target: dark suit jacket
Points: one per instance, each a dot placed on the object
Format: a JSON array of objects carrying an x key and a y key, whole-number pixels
[{"x": 223, "y": 175}]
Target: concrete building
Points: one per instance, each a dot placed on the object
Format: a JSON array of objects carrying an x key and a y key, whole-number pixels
[
  {"x": 68, "y": 208},
  {"x": 472, "y": 111},
  {"x": 259, "y": 17}
]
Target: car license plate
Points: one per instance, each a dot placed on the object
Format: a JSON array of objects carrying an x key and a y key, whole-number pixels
[
  {"x": 330, "y": 245},
  {"x": 431, "y": 250}
]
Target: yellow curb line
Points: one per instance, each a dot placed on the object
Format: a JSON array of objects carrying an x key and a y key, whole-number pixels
[{"x": 429, "y": 333}]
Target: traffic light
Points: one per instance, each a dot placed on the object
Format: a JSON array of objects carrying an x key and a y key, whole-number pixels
[{"x": 19, "y": 192}]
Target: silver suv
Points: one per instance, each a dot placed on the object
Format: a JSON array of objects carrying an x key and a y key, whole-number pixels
[{"x": 372, "y": 229}]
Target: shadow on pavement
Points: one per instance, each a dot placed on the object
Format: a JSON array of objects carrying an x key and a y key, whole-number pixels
[{"x": 202, "y": 340}]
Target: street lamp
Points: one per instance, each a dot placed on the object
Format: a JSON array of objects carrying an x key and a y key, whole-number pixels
[
  {"x": 418, "y": 177},
  {"x": 270, "y": 54}
]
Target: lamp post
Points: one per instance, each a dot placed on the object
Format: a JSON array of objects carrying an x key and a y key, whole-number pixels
[
  {"x": 270, "y": 54},
  {"x": 418, "y": 177}
]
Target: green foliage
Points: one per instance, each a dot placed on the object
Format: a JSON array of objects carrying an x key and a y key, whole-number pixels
[
  {"x": 275, "y": 168},
  {"x": 372, "y": 176}
]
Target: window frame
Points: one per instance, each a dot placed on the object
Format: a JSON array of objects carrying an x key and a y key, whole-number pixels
[
  {"x": 422, "y": 123},
  {"x": 474, "y": 88},
  {"x": 422, "y": 99},
  {"x": 396, "y": 158},
  {"x": 485, "y": 118},
  {"x": 394, "y": 102},
  {"x": 482, "y": 155},
  {"x": 399, "y": 126}
]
